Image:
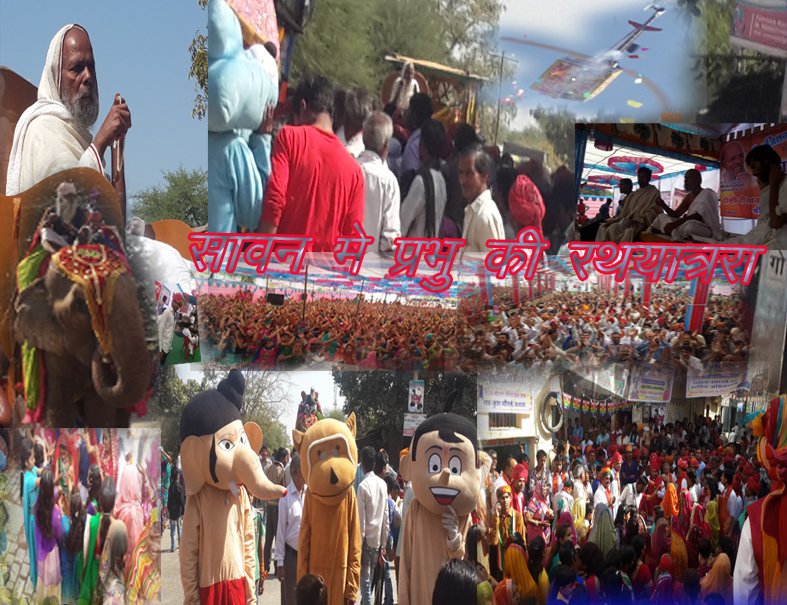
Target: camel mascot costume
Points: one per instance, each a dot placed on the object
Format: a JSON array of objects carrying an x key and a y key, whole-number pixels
[
  {"x": 443, "y": 466},
  {"x": 219, "y": 458},
  {"x": 330, "y": 541}
]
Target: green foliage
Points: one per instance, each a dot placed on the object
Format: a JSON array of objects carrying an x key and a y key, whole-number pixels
[
  {"x": 739, "y": 84},
  {"x": 263, "y": 399},
  {"x": 335, "y": 413},
  {"x": 347, "y": 40},
  {"x": 336, "y": 44},
  {"x": 379, "y": 400},
  {"x": 183, "y": 197},
  {"x": 198, "y": 71},
  {"x": 558, "y": 127},
  {"x": 534, "y": 138}
]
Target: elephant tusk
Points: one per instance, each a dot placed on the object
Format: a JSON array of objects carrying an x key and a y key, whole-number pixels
[{"x": 234, "y": 488}]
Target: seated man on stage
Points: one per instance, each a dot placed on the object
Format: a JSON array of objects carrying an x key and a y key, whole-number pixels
[
  {"x": 641, "y": 208},
  {"x": 696, "y": 215}
]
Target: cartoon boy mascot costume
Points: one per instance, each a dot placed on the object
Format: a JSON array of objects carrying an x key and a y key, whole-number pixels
[
  {"x": 329, "y": 544},
  {"x": 443, "y": 467},
  {"x": 219, "y": 458}
]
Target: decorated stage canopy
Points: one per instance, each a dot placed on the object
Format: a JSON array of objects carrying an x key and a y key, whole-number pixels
[{"x": 603, "y": 168}]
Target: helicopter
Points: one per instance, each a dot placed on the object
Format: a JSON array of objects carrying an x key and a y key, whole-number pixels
[{"x": 578, "y": 77}]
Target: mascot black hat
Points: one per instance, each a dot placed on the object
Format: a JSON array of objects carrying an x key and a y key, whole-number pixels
[{"x": 209, "y": 411}]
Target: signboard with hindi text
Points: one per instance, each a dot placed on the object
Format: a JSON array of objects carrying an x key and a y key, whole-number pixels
[
  {"x": 504, "y": 394},
  {"x": 651, "y": 384},
  {"x": 760, "y": 25},
  {"x": 411, "y": 422},
  {"x": 715, "y": 379}
]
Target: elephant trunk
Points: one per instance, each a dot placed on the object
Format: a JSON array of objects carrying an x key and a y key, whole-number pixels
[
  {"x": 248, "y": 471},
  {"x": 122, "y": 377}
]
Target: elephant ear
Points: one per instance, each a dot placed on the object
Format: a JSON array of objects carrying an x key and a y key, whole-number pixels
[
  {"x": 194, "y": 462},
  {"x": 36, "y": 322},
  {"x": 254, "y": 433}
]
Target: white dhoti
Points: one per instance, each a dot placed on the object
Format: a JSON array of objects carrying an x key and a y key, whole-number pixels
[{"x": 685, "y": 231}]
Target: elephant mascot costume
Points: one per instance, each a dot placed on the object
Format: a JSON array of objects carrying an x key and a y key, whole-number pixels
[
  {"x": 443, "y": 467},
  {"x": 329, "y": 544},
  {"x": 218, "y": 454}
]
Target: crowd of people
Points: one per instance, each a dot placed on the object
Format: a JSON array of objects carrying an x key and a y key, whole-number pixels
[
  {"x": 345, "y": 157},
  {"x": 560, "y": 330},
  {"x": 643, "y": 212},
  {"x": 626, "y": 516},
  {"x": 89, "y": 508}
]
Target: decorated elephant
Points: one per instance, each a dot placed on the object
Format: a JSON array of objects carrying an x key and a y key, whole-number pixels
[{"x": 74, "y": 306}]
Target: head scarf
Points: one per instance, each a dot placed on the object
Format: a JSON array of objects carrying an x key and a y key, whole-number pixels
[
  {"x": 670, "y": 501},
  {"x": 718, "y": 579},
  {"x": 662, "y": 590},
  {"x": 771, "y": 428},
  {"x": 516, "y": 568},
  {"x": 658, "y": 540},
  {"x": 603, "y": 531},
  {"x": 712, "y": 519},
  {"x": 503, "y": 489},
  {"x": 48, "y": 103},
  {"x": 127, "y": 506}
]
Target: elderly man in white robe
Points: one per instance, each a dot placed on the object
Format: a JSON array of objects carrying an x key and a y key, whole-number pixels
[
  {"x": 52, "y": 134},
  {"x": 696, "y": 216},
  {"x": 641, "y": 208}
]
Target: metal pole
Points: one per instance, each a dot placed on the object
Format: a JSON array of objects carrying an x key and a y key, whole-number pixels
[
  {"x": 305, "y": 284},
  {"x": 499, "y": 92}
]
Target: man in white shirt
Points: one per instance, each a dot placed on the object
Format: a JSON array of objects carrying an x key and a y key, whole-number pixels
[
  {"x": 372, "y": 503},
  {"x": 564, "y": 499},
  {"x": 482, "y": 218},
  {"x": 632, "y": 493},
  {"x": 381, "y": 212},
  {"x": 287, "y": 532},
  {"x": 358, "y": 104},
  {"x": 697, "y": 214}
]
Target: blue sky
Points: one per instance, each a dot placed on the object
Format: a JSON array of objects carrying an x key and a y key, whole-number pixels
[
  {"x": 590, "y": 27},
  {"x": 141, "y": 51}
]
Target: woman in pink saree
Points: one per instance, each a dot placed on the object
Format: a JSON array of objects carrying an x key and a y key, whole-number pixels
[
  {"x": 128, "y": 507},
  {"x": 538, "y": 516}
]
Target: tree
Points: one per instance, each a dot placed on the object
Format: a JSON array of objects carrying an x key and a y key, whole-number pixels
[
  {"x": 198, "y": 71},
  {"x": 263, "y": 400},
  {"x": 336, "y": 414},
  {"x": 739, "y": 84},
  {"x": 379, "y": 400},
  {"x": 558, "y": 127},
  {"x": 184, "y": 197},
  {"x": 326, "y": 47},
  {"x": 395, "y": 31}
]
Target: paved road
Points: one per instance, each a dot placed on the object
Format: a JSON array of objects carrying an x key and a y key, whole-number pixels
[{"x": 172, "y": 593}]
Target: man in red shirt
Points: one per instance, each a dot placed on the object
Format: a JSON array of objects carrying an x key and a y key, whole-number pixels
[{"x": 316, "y": 187}]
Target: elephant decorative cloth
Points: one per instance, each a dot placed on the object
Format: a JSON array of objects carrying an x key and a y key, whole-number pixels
[
  {"x": 95, "y": 268},
  {"x": 329, "y": 544},
  {"x": 220, "y": 467},
  {"x": 443, "y": 467}
]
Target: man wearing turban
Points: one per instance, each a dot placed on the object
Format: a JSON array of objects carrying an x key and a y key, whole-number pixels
[{"x": 761, "y": 571}]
